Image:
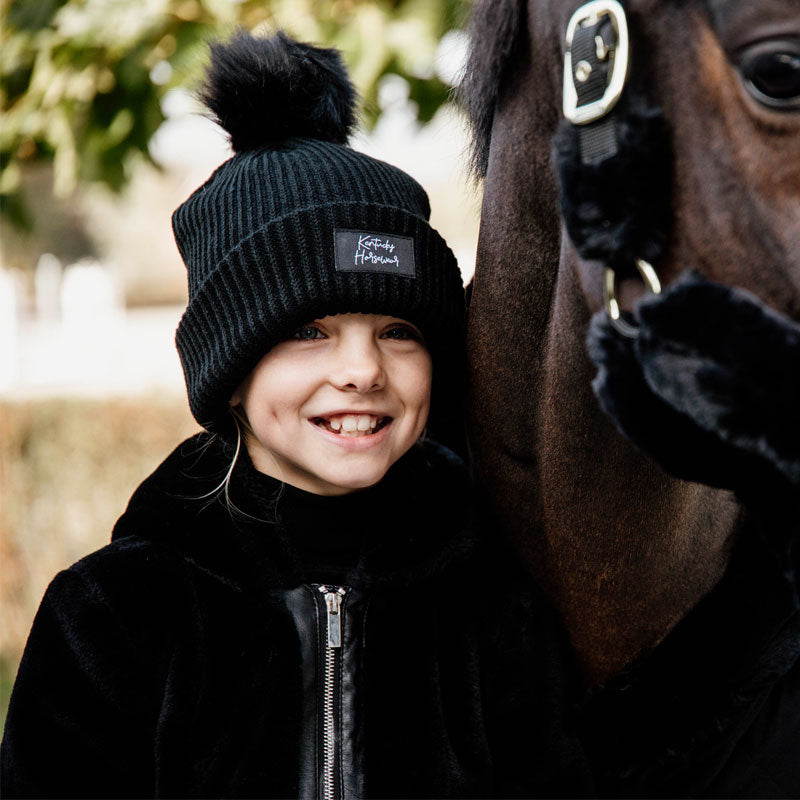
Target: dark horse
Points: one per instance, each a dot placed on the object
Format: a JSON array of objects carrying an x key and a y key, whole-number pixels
[{"x": 623, "y": 550}]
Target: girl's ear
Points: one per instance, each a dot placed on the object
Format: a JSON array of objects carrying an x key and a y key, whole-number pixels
[{"x": 235, "y": 399}]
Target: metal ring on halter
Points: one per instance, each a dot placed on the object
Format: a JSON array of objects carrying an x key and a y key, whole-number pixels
[{"x": 652, "y": 283}]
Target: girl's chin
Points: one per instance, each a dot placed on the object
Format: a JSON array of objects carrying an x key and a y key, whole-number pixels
[
  {"x": 333, "y": 483},
  {"x": 332, "y": 464}
]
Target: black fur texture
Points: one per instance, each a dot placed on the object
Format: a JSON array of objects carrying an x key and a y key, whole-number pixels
[
  {"x": 722, "y": 358},
  {"x": 264, "y": 91},
  {"x": 710, "y": 389},
  {"x": 167, "y": 664},
  {"x": 618, "y": 209}
]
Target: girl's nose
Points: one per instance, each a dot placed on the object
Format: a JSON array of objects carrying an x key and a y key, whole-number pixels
[{"x": 359, "y": 365}]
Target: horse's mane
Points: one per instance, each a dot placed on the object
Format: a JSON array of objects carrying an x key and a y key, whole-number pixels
[{"x": 493, "y": 32}]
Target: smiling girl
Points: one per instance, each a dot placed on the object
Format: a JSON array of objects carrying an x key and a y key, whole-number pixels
[
  {"x": 286, "y": 606},
  {"x": 330, "y": 409},
  {"x": 295, "y": 603}
]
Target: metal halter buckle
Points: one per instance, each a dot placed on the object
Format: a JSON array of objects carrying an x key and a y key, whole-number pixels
[
  {"x": 590, "y": 14},
  {"x": 651, "y": 281}
]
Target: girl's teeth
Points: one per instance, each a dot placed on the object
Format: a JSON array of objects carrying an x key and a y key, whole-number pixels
[{"x": 353, "y": 424}]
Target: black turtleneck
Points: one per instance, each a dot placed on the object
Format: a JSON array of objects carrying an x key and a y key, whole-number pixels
[
  {"x": 329, "y": 533},
  {"x": 404, "y": 529}
]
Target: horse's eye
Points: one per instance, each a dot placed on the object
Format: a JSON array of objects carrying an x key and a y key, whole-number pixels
[{"x": 771, "y": 72}]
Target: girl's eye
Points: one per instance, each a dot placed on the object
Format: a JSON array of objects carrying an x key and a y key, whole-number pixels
[
  {"x": 771, "y": 73},
  {"x": 402, "y": 333},
  {"x": 307, "y": 333}
]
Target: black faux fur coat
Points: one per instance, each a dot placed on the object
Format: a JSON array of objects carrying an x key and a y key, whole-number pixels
[{"x": 167, "y": 665}]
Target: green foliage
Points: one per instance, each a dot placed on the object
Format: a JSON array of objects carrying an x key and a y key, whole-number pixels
[{"x": 83, "y": 80}]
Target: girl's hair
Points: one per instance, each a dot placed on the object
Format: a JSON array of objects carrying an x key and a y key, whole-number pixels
[{"x": 222, "y": 489}]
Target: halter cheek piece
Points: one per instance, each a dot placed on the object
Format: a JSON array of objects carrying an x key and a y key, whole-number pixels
[
  {"x": 595, "y": 69},
  {"x": 606, "y": 139}
]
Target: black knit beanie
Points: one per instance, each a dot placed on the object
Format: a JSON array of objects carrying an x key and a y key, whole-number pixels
[{"x": 297, "y": 225}]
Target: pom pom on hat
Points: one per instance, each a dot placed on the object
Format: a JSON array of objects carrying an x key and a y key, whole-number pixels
[{"x": 264, "y": 91}]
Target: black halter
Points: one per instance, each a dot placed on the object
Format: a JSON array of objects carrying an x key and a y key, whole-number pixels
[
  {"x": 595, "y": 70},
  {"x": 612, "y": 153}
]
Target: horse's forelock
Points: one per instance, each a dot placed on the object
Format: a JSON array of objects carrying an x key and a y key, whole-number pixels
[{"x": 493, "y": 32}]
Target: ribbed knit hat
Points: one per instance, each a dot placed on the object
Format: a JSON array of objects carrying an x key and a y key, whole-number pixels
[{"x": 297, "y": 225}]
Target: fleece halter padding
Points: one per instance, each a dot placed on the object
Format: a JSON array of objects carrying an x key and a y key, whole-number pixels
[
  {"x": 710, "y": 389},
  {"x": 614, "y": 173}
]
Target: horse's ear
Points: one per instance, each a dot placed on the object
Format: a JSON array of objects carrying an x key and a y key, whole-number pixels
[{"x": 264, "y": 91}]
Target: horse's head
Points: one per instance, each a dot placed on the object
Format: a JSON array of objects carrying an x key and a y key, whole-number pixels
[
  {"x": 603, "y": 528},
  {"x": 726, "y": 74}
]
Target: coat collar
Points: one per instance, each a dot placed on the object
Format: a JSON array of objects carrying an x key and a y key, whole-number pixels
[{"x": 424, "y": 526}]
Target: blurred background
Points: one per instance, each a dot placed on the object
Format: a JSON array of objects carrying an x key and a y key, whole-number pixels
[{"x": 100, "y": 139}]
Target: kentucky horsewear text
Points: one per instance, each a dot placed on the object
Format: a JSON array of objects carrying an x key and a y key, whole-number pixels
[{"x": 368, "y": 251}]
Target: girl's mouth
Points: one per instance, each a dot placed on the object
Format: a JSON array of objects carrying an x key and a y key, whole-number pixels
[{"x": 352, "y": 425}]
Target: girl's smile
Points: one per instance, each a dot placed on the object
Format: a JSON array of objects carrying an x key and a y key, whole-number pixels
[
  {"x": 352, "y": 423},
  {"x": 347, "y": 426},
  {"x": 332, "y": 407}
]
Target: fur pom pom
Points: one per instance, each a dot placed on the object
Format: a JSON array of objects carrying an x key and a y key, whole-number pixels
[{"x": 263, "y": 91}]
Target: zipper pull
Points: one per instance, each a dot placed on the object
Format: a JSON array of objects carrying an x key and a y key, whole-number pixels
[{"x": 333, "y": 602}]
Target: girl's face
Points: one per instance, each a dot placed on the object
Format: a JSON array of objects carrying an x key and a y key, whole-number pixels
[{"x": 332, "y": 407}]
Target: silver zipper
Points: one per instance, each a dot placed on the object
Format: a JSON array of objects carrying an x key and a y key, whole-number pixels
[{"x": 333, "y": 602}]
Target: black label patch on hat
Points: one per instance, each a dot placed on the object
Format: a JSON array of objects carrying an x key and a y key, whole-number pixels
[{"x": 367, "y": 251}]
